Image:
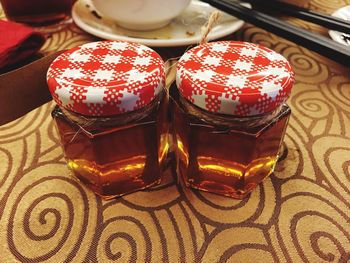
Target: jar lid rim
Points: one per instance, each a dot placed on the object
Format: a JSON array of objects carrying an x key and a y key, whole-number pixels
[
  {"x": 234, "y": 78},
  {"x": 106, "y": 78}
]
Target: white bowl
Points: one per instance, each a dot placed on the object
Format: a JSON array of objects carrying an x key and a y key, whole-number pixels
[{"x": 141, "y": 14}]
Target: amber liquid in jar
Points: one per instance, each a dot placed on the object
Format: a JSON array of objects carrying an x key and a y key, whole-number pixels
[
  {"x": 230, "y": 160},
  {"x": 37, "y": 12},
  {"x": 114, "y": 159}
]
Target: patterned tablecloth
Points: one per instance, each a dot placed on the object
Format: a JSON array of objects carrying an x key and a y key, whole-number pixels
[{"x": 300, "y": 214}]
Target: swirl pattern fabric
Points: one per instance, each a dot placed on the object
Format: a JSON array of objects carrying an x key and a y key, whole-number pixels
[{"x": 299, "y": 214}]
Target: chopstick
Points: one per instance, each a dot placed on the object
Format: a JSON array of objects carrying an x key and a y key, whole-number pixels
[
  {"x": 320, "y": 44},
  {"x": 321, "y": 19}
]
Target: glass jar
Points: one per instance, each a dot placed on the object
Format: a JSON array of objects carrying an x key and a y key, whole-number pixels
[
  {"x": 111, "y": 115},
  {"x": 37, "y": 12},
  {"x": 230, "y": 115}
]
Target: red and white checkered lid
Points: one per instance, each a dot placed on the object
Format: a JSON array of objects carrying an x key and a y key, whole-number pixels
[
  {"x": 234, "y": 78},
  {"x": 106, "y": 78}
]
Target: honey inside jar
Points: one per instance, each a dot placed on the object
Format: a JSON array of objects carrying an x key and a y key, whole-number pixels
[
  {"x": 229, "y": 116},
  {"x": 116, "y": 160},
  {"x": 230, "y": 161}
]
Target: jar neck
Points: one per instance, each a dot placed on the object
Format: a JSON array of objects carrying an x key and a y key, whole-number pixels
[
  {"x": 114, "y": 120},
  {"x": 231, "y": 121}
]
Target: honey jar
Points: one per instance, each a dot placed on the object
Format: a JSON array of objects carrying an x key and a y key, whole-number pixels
[
  {"x": 111, "y": 115},
  {"x": 230, "y": 115}
]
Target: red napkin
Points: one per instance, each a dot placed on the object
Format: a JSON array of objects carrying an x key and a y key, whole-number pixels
[{"x": 17, "y": 42}]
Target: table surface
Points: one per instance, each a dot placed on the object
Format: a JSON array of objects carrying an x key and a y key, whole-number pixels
[{"x": 299, "y": 214}]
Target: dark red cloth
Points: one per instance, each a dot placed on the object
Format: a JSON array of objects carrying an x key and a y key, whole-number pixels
[{"x": 17, "y": 42}]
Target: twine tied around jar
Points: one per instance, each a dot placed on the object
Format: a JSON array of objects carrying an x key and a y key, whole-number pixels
[{"x": 84, "y": 124}]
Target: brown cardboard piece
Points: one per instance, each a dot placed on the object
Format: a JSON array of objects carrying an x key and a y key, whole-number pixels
[{"x": 24, "y": 89}]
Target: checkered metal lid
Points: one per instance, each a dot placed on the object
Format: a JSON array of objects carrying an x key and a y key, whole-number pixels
[
  {"x": 106, "y": 78},
  {"x": 234, "y": 78}
]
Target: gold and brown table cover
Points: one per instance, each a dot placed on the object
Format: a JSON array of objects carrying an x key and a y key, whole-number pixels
[{"x": 301, "y": 213}]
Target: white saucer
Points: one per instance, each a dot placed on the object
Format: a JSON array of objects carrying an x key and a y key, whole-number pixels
[
  {"x": 184, "y": 30},
  {"x": 343, "y": 13}
]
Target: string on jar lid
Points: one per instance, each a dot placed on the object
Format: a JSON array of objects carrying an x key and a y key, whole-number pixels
[
  {"x": 205, "y": 31},
  {"x": 208, "y": 27}
]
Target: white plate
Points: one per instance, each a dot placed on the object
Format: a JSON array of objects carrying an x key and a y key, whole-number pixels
[
  {"x": 183, "y": 30},
  {"x": 343, "y": 13}
]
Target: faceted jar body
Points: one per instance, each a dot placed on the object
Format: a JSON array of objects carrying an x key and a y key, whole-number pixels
[
  {"x": 118, "y": 155},
  {"x": 229, "y": 158}
]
